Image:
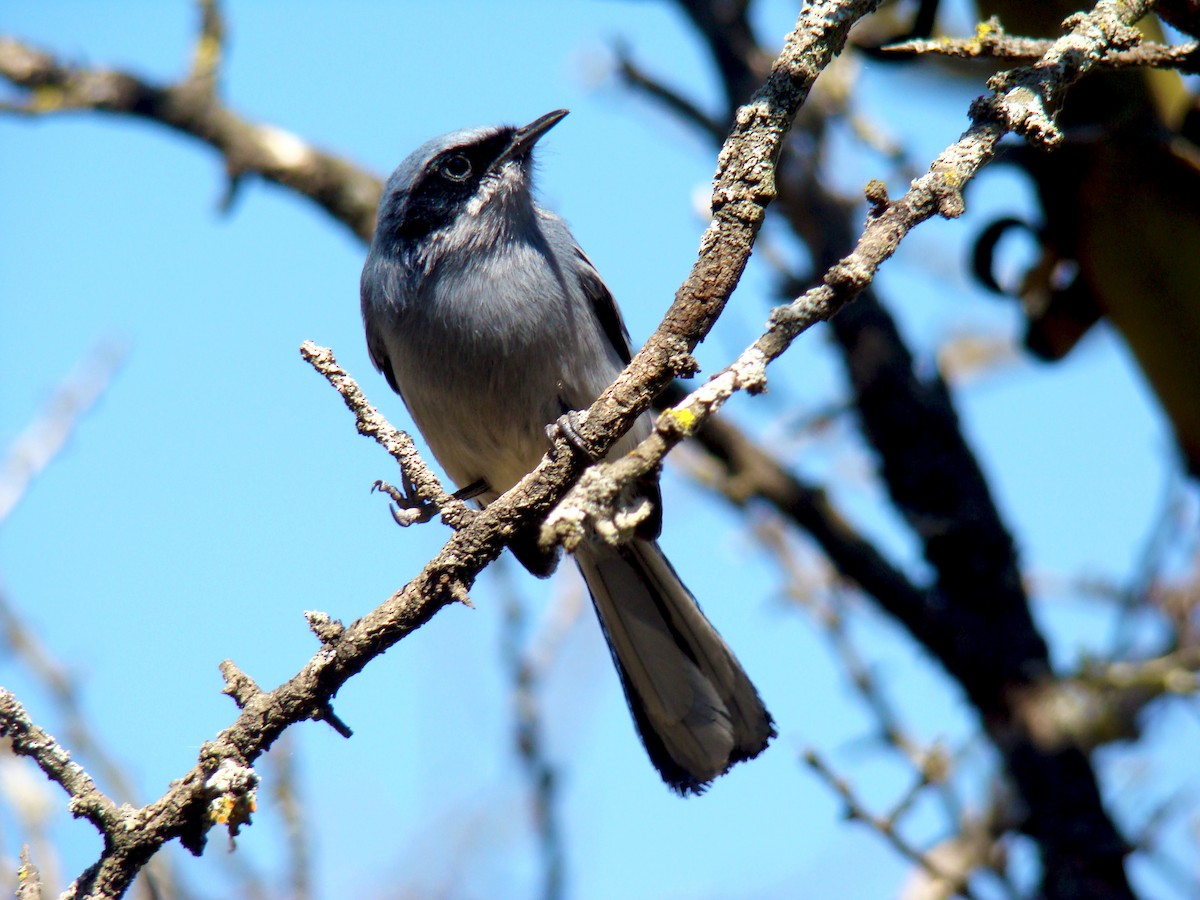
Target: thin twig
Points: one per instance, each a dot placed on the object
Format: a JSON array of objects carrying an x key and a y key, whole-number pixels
[
  {"x": 527, "y": 662},
  {"x": 636, "y": 79},
  {"x": 398, "y": 444},
  {"x": 41, "y": 442},
  {"x": 856, "y": 810},
  {"x": 291, "y": 808}
]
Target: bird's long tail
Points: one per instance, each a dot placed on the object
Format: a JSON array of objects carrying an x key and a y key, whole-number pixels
[{"x": 695, "y": 708}]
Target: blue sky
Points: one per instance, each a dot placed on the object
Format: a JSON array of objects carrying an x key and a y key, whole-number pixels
[{"x": 219, "y": 489}]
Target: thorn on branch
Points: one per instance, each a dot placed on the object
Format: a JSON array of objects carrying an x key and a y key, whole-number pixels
[
  {"x": 238, "y": 685},
  {"x": 459, "y": 593},
  {"x": 210, "y": 47},
  {"x": 877, "y": 195},
  {"x": 328, "y": 631},
  {"x": 29, "y": 880},
  {"x": 235, "y": 180},
  {"x": 329, "y": 717}
]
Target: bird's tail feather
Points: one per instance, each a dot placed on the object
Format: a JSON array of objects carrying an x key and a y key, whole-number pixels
[{"x": 695, "y": 708}]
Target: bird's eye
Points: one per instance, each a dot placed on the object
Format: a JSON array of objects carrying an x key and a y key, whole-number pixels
[{"x": 456, "y": 167}]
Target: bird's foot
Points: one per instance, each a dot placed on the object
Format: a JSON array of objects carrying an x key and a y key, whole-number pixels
[
  {"x": 406, "y": 507},
  {"x": 409, "y": 509},
  {"x": 568, "y": 426}
]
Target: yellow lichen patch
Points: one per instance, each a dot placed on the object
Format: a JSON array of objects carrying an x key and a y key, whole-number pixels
[
  {"x": 682, "y": 419},
  {"x": 208, "y": 53},
  {"x": 46, "y": 98},
  {"x": 229, "y": 808}
]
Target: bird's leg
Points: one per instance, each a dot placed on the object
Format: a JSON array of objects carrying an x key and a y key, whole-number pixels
[{"x": 471, "y": 491}]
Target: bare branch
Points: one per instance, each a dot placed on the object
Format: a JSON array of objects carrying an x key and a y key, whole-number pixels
[
  {"x": 158, "y": 880},
  {"x": 1101, "y": 703},
  {"x": 25, "y": 646},
  {"x": 963, "y": 620},
  {"x": 725, "y": 27},
  {"x": 638, "y": 80},
  {"x": 527, "y": 662},
  {"x": 191, "y": 107},
  {"x": 751, "y": 472},
  {"x": 1022, "y": 101},
  {"x": 744, "y": 186}
]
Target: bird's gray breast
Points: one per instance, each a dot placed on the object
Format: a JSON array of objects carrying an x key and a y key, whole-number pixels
[{"x": 490, "y": 348}]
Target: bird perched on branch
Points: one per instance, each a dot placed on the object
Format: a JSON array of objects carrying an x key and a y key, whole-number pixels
[{"x": 486, "y": 317}]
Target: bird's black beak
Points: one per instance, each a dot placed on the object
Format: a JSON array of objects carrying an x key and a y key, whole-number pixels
[{"x": 525, "y": 137}]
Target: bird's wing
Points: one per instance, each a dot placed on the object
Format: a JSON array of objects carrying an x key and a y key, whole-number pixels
[
  {"x": 610, "y": 320},
  {"x": 603, "y": 306},
  {"x": 378, "y": 351}
]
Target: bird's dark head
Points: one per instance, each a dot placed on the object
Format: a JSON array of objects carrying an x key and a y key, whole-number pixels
[{"x": 457, "y": 174}]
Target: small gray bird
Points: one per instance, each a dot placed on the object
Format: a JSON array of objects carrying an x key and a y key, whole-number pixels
[{"x": 486, "y": 317}]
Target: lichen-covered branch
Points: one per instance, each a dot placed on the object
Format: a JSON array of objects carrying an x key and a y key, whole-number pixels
[
  {"x": 399, "y": 445},
  {"x": 27, "y": 739},
  {"x": 527, "y": 661},
  {"x": 992, "y": 42},
  {"x": 976, "y": 620},
  {"x": 744, "y": 186},
  {"x": 1023, "y": 101}
]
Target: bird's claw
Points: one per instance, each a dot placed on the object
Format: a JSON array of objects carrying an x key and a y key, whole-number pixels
[
  {"x": 568, "y": 426},
  {"x": 406, "y": 507},
  {"x": 409, "y": 509}
]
